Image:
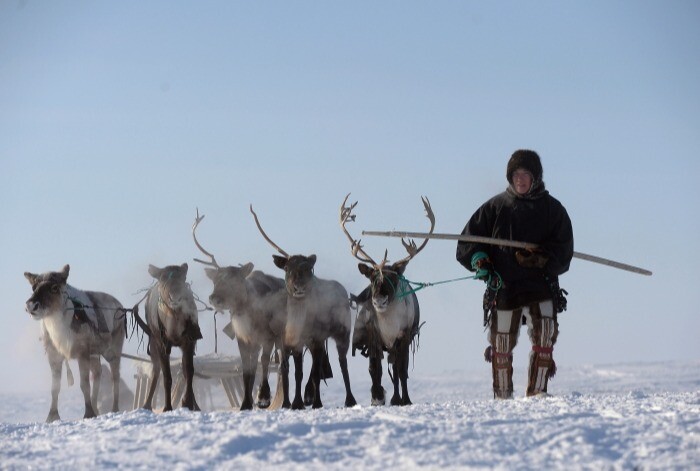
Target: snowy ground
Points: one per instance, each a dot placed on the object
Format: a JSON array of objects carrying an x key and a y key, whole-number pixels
[{"x": 621, "y": 416}]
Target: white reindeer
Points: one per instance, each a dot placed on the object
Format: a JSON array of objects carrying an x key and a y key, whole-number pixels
[{"x": 79, "y": 325}]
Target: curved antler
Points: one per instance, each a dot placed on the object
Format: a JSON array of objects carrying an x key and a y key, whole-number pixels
[
  {"x": 265, "y": 235},
  {"x": 194, "y": 236},
  {"x": 356, "y": 248},
  {"x": 410, "y": 246}
]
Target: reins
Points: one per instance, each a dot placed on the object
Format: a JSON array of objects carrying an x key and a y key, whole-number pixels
[{"x": 415, "y": 286}]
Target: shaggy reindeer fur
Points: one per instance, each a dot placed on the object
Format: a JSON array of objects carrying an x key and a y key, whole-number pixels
[
  {"x": 171, "y": 316},
  {"x": 80, "y": 325},
  {"x": 317, "y": 310},
  {"x": 258, "y": 319},
  {"x": 391, "y": 329}
]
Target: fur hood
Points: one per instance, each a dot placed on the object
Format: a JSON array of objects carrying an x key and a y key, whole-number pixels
[
  {"x": 530, "y": 161},
  {"x": 527, "y": 159}
]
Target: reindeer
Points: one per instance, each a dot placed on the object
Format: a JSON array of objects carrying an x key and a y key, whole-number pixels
[
  {"x": 171, "y": 320},
  {"x": 317, "y": 309},
  {"x": 257, "y": 316},
  {"x": 81, "y": 325},
  {"x": 390, "y": 316}
]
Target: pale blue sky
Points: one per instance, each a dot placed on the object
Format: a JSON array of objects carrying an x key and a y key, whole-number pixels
[{"x": 117, "y": 120}]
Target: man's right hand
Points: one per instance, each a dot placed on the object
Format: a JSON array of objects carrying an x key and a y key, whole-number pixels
[{"x": 484, "y": 269}]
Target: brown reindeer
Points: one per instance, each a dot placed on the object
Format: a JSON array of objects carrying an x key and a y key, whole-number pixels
[
  {"x": 317, "y": 309},
  {"x": 81, "y": 325},
  {"x": 258, "y": 315},
  {"x": 390, "y": 316},
  {"x": 171, "y": 317}
]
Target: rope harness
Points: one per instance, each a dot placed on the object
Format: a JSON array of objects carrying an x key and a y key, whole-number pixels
[{"x": 491, "y": 277}]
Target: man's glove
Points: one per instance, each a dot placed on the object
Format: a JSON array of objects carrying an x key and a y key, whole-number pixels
[
  {"x": 531, "y": 258},
  {"x": 483, "y": 266}
]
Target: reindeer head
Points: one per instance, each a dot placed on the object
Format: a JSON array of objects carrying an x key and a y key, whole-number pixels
[
  {"x": 229, "y": 286},
  {"x": 176, "y": 301},
  {"x": 298, "y": 269},
  {"x": 229, "y": 282},
  {"x": 298, "y": 273},
  {"x": 48, "y": 292},
  {"x": 386, "y": 281}
]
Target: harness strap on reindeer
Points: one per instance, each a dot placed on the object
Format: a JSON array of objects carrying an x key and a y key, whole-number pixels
[{"x": 84, "y": 313}]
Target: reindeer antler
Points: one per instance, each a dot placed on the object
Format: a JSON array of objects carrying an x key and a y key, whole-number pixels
[
  {"x": 265, "y": 235},
  {"x": 213, "y": 263},
  {"x": 355, "y": 246},
  {"x": 410, "y": 246}
]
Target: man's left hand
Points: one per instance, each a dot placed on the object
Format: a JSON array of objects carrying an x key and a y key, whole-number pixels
[{"x": 531, "y": 258}]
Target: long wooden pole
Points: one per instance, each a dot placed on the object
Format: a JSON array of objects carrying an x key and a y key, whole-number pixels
[{"x": 505, "y": 243}]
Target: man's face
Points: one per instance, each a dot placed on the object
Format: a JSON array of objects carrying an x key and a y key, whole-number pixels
[{"x": 522, "y": 181}]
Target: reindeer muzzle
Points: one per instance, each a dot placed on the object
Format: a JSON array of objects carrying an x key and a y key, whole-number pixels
[{"x": 32, "y": 307}]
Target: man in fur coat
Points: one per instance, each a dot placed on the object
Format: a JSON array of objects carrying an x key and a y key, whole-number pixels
[{"x": 522, "y": 285}]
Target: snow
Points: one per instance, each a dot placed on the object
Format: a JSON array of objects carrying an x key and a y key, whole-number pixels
[{"x": 617, "y": 416}]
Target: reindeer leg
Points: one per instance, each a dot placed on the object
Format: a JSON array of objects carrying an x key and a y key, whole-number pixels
[
  {"x": 309, "y": 391},
  {"x": 396, "y": 398},
  {"x": 248, "y": 375},
  {"x": 56, "y": 364},
  {"x": 298, "y": 402},
  {"x": 96, "y": 370},
  {"x": 188, "y": 371},
  {"x": 155, "y": 374},
  {"x": 403, "y": 372},
  {"x": 284, "y": 371},
  {"x": 317, "y": 359},
  {"x": 84, "y": 367},
  {"x": 263, "y": 401},
  {"x": 167, "y": 379},
  {"x": 343, "y": 344},
  {"x": 114, "y": 367},
  {"x": 375, "y": 372}
]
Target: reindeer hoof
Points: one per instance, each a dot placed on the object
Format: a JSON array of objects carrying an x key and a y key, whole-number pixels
[
  {"x": 263, "y": 403},
  {"x": 53, "y": 416},
  {"x": 350, "y": 401},
  {"x": 298, "y": 404},
  {"x": 396, "y": 401},
  {"x": 378, "y": 399},
  {"x": 89, "y": 413}
]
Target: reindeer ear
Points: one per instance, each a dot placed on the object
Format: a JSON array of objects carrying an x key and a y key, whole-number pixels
[
  {"x": 31, "y": 277},
  {"x": 365, "y": 269},
  {"x": 247, "y": 269},
  {"x": 184, "y": 268},
  {"x": 64, "y": 273},
  {"x": 211, "y": 273},
  {"x": 400, "y": 267},
  {"x": 280, "y": 262},
  {"x": 154, "y": 271},
  {"x": 312, "y": 259}
]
